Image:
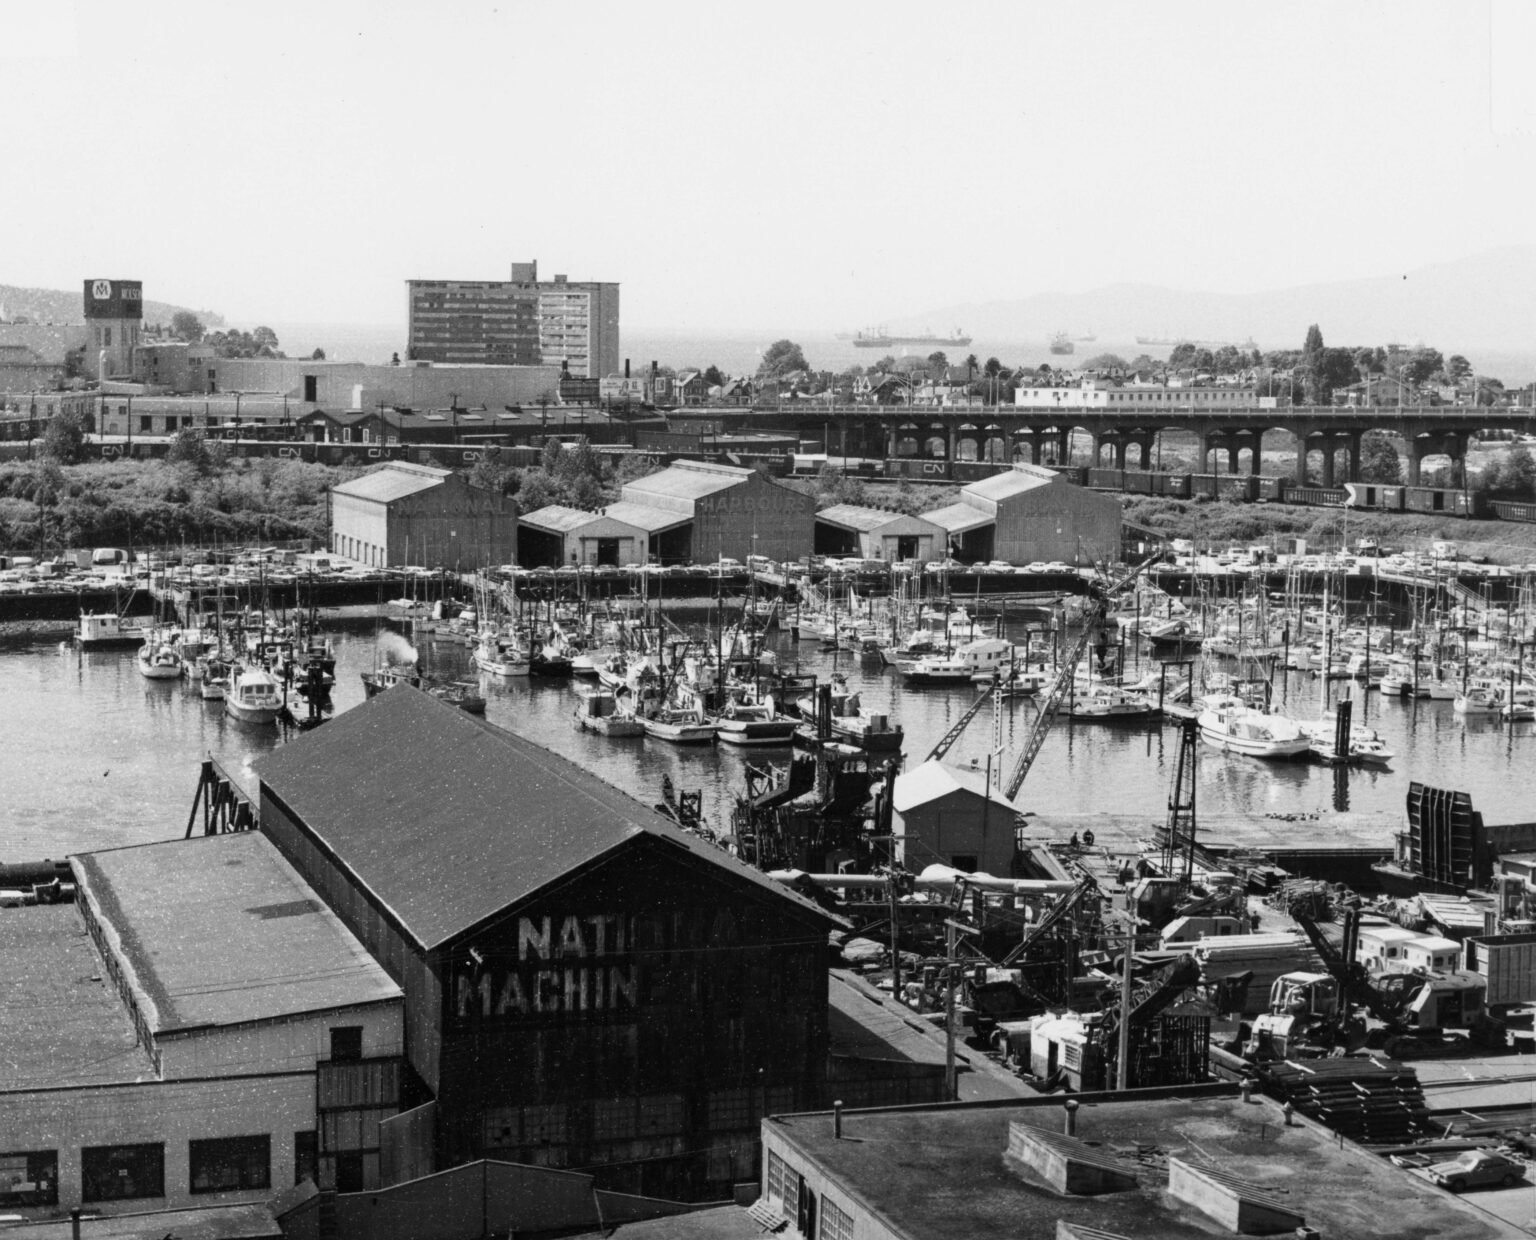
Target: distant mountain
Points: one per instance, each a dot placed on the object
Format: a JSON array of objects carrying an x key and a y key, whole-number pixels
[
  {"x": 1487, "y": 301},
  {"x": 46, "y": 305}
]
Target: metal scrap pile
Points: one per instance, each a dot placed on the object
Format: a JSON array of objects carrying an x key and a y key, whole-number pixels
[{"x": 1306, "y": 897}]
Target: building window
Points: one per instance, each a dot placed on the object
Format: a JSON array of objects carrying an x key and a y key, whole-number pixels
[
  {"x": 346, "y": 1043},
  {"x": 146, "y": 423},
  {"x": 836, "y": 1222},
  {"x": 122, "y": 1172},
  {"x": 349, "y": 1171},
  {"x": 106, "y": 337},
  {"x": 229, "y": 1164},
  {"x": 306, "y": 1156},
  {"x": 29, "y": 1179},
  {"x": 776, "y": 1176}
]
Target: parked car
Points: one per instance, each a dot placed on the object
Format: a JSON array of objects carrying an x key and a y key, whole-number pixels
[{"x": 1472, "y": 1168}]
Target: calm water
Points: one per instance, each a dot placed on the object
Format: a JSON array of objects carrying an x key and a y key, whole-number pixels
[{"x": 92, "y": 755}]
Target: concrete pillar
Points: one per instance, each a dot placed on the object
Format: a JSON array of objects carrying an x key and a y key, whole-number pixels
[
  {"x": 1256, "y": 444},
  {"x": 1034, "y": 447},
  {"x": 1354, "y": 455},
  {"x": 949, "y": 442},
  {"x": 1144, "y": 442},
  {"x": 891, "y": 436},
  {"x": 1418, "y": 449},
  {"x": 1301, "y": 458},
  {"x": 1234, "y": 448},
  {"x": 1120, "y": 447},
  {"x": 1330, "y": 446},
  {"x": 1063, "y": 447}
]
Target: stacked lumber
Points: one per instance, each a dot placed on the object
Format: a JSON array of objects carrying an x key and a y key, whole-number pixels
[
  {"x": 1372, "y": 1101},
  {"x": 1264, "y": 956}
]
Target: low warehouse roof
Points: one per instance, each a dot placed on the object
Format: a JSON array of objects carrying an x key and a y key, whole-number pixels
[{"x": 221, "y": 930}]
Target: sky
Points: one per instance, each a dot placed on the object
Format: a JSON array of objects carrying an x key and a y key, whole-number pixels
[{"x": 734, "y": 166}]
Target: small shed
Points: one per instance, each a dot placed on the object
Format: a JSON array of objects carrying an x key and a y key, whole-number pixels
[
  {"x": 877, "y": 534},
  {"x": 556, "y": 535},
  {"x": 948, "y": 815}
]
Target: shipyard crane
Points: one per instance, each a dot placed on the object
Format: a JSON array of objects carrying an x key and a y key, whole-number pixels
[
  {"x": 1064, "y": 678},
  {"x": 946, "y": 742}
]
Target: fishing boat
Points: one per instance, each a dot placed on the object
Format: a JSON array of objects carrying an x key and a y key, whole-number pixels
[
  {"x": 254, "y": 696},
  {"x": 465, "y": 694},
  {"x": 599, "y": 710},
  {"x": 1478, "y": 700},
  {"x": 101, "y": 630},
  {"x": 159, "y": 659},
  {"x": 938, "y": 669},
  {"x": 1233, "y": 726},
  {"x": 212, "y": 678},
  {"x": 1106, "y": 703},
  {"x": 501, "y": 654},
  {"x": 681, "y": 725},
  {"x": 754, "y": 723}
]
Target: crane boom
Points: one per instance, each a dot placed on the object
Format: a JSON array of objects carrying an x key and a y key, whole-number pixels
[
  {"x": 1063, "y": 682},
  {"x": 950, "y": 737}
]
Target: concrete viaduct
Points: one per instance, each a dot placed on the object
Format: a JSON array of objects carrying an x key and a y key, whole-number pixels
[{"x": 1006, "y": 432}]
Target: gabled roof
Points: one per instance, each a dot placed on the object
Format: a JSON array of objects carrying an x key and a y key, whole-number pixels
[
  {"x": 1015, "y": 481},
  {"x": 643, "y": 516},
  {"x": 394, "y": 481},
  {"x": 933, "y": 781},
  {"x": 959, "y": 518},
  {"x": 448, "y": 820},
  {"x": 865, "y": 520},
  {"x": 558, "y": 519},
  {"x": 687, "y": 480}
]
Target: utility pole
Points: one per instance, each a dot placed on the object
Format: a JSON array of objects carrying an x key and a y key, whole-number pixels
[
  {"x": 951, "y": 1084},
  {"x": 1123, "y": 1062}
]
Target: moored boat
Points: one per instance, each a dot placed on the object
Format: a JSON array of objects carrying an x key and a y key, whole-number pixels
[
  {"x": 599, "y": 710},
  {"x": 160, "y": 660},
  {"x": 681, "y": 726},
  {"x": 1233, "y": 726},
  {"x": 254, "y": 696}
]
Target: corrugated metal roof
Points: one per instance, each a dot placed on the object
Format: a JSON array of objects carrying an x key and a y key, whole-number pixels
[
  {"x": 853, "y": 517},
  {"x": 1017, "y": 480},
  {"x": 220, "y": 930},
  {"x": 391, "y": 483},
  {"x": 558, "y": 519},
  {"x": 958, "y": 518},
  {"x": 643, "y": 516},
  {"x": 454, "y": 820},
  {"x": 932, "y": 780},
  {"x": 867, "y": 520},
  {"x": 687, "y": 480}
]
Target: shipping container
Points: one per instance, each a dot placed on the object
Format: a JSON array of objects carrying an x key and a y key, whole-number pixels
[
  {"x": 1428, "y": 499},
  {"x": 1508, "y": 961},
  {"x": 1139, "y": 481},
  {"x": 1106, "y": 479},
  {"x": 1204, "y": 484},
  {"x": 1174, "y": 486},
  {"x": 1506, "y": 510},
  {"x": 1273, "y": 489},
  {"x": 1321, "y": 497},
  {"x": 1391, "y": 499},
  {"x": 1468, "y": 503},
  {"x": 1241, "y": 488}
]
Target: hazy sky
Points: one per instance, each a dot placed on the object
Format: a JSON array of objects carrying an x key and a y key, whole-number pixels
[{"x": 750, "y": 166}]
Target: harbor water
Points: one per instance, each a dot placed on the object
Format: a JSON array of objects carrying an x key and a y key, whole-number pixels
[{"x": 95, "y": 756}]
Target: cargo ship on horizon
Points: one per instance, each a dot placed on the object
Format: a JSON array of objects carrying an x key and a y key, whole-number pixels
[{"x": 882, "y": 339}]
